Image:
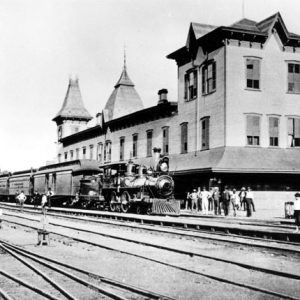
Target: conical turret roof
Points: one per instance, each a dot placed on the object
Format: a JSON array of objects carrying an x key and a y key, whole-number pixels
[
  {"x": 124, "y": 99},
  {"x": 73, "y": 107}
]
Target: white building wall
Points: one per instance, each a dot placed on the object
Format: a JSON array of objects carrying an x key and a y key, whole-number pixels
[
  {"x": 211, "y": 105},
  {"x": 272, "y": 98}
]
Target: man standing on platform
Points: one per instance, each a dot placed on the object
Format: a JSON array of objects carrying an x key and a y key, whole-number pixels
[
  {"x": 226, "y": 201},
  {"x": 249, "y": 202},
  {"x": 216, "y": 198},
  {"x": 205, "y": 196},
  {"x": 194, "y": 198}
]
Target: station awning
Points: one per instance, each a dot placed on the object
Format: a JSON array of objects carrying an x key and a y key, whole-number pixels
[{"x": 238, "y": 160}]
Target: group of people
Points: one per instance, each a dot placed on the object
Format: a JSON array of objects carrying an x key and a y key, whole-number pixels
[
  {"x": 213, "y": 200},
  {"x": 42, "y": 199}
]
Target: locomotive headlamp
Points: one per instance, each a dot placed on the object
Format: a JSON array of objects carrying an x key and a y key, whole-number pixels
[
  {"x": 164, "y": 167},
  {"x": 164, "y": 164}
]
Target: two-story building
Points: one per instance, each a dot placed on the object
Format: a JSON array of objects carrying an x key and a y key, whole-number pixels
[{"x": 236, "y": 121}]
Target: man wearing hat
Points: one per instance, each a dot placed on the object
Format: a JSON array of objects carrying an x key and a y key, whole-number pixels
[
  {"x": 242, "y": 196},
  {"x": 194, "y": 198},
  {"x": 297, "y": 211}
]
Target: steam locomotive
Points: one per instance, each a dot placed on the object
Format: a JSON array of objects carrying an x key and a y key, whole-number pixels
[{"x": 123, "y": 187}]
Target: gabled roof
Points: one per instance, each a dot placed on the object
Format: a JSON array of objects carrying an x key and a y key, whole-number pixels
[
  {"x": 245, "y": 29},
  {"x": 124, "y": 99},
  {"x": 245, "y": 24},
  {"x": 73, "y": 107},
  {"x": 201, "y": 29}
]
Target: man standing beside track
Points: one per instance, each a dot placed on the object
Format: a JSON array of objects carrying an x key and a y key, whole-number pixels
[
  {"x": 205, "y": 196},
  {"x": 194, "y": 198},
  {"x": 297, "y": 211},
  {"x": 226, "y": 201},
  {"x": 249, "y": 202},
  {"x": 44, "y": 203},
  {"x": 21, "y": 198},
  {"x": 49, "y": 195},
  {"x": 216, "y": 198}
]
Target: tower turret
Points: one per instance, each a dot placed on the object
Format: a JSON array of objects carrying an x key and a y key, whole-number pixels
[
  {"x": 73, "y": 116},
  {"x": 124, "y": 99}
]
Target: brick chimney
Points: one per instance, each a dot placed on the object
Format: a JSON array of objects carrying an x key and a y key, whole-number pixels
[{"x": 163, "y": 96}]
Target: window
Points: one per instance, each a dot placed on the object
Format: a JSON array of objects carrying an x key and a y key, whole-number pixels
[
  {"x": 190, "y": 85},
  {"x": 253, "y": 73},
  {"x": 274, "y": 131},
  {"x": 71, "y": 154},
  {"x": 77, "y": 153},
  {"x": 205, "y": 133},
  {"x": 294, "y": 78},
  {"x": 59, "y": 158},
  {"x": 294, "y": 132},
  {"x": 99, "y": 151},
  {"x": 184, "y": 137},
  {"x": 209, "y": 77},
  {"x": 165, "y": 140},
  {"x": 83, "y": 152},
  {"x": 66, "y": 156},
  {"x": 91, "y": 151},
  {"x": 59, "y": 132},
  {"x": 253, "y": 130},
  {"x": 122, "y": 143},
  {"x": 107, "y": 151},
  {"x": 149, "y": 142},
  {"x": 134, "y": 145}
]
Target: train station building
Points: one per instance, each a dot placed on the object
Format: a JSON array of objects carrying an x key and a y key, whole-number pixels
[{"x": 236, "y": 120}]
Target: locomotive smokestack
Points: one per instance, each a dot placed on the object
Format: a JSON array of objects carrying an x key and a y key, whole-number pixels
[
  {"x": 156, "y": 155},
  {"x": 141, "y": 168},
  {"x": 163, "y": 96},
  {"x": 129, "y": 168}
]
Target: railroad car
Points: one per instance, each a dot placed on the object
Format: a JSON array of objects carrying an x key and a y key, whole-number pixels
[
  {"x": 4, "y": 186},
  {"x": 119, "y": 187},
  {"x": 67, "y": 179},
  {"x": 12, "y": 184}
]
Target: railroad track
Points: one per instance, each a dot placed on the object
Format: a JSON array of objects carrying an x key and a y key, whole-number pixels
[
  {"x": 208, "y": 231},
  {"x": 232, "y": 266},
  {"x": 95, "y": 283}
]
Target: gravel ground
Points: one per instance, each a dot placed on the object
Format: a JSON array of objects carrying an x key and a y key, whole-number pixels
[{"x": 156, "y": 277}]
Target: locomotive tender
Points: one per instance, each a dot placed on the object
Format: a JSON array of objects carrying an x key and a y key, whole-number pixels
[{"x": 119, "y": 187}]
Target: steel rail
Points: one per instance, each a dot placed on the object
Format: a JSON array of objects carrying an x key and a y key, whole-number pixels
[
  {"x": 39, "y": 272},
  {"x": 177, "y": 250},
  {"x": 198, "y": 231},
  {"x": 75, "y": 278},
  {"x": 187, "y": 233},
  {"x": 221, "y": 279},
  {"x": 4, "y": 295},
  {"x": 28, "y": 285},
  {"x": 41, "y": 259}
]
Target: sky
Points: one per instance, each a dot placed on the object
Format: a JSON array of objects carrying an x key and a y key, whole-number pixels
[{"x": 44, "y": 42}]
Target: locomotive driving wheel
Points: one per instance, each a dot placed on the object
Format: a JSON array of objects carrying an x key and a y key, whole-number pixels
[
  {"x": 113, "y": 202},
  {"x": 125, "y": 198}
]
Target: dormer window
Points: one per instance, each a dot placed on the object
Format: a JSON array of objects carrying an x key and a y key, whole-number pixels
[{"x": 190, "y": 85}]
